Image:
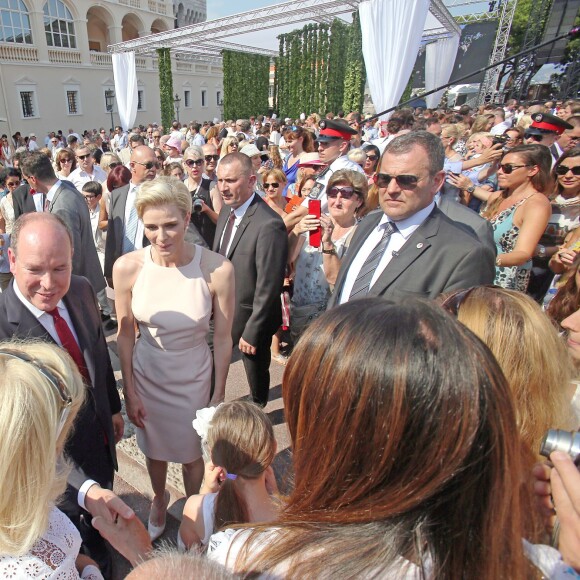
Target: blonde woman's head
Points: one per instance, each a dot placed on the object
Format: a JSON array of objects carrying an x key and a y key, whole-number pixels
[
  {"x": 163, "y": 191},
  {"x": 33, "y": 430}
]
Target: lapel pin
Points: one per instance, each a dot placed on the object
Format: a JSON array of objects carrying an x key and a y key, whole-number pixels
[{"x": 419, "y": 245}]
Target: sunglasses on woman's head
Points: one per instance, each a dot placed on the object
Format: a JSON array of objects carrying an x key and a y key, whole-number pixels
[{"x": 563, "y": 169}]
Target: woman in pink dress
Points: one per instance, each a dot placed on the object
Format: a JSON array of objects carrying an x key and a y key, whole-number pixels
[{"x": 171, "y": 289}]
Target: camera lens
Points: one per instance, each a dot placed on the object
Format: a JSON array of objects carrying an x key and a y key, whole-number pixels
[
  {"x": 197, "y": 205},
  {"x": 560, "y": 440}
]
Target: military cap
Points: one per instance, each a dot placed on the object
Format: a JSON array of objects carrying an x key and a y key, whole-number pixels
[
  {"x": 333, "y": 129},
  {"x": 542, "y": 122}
]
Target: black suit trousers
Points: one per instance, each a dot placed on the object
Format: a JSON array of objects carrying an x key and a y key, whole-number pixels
[{"x": 257, "y": 368}]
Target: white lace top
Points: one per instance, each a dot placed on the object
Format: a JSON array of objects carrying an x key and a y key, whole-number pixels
[{"x": 52, "y": 557}]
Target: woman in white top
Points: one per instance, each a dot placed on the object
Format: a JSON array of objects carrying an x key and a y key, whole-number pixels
[
  {"x": 40, "y": 394},
  {"x": 405, "y": 451}
]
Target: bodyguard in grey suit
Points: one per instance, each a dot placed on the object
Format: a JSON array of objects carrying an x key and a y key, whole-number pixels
[
  {"x": 468, "y": 219},
  {"x": 63, "y": 199},
  {"x": 411, "y": 248}
]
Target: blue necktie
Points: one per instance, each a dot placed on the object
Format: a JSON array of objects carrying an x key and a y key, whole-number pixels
[{"x": 130, "y": 229}]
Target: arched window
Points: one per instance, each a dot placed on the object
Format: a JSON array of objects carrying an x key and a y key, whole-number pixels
[
  {"x": 59, "y": 25},
  {"x": 14, "y": 22}
]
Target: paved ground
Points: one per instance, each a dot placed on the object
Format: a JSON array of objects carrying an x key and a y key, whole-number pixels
[{"x": 132, "y": 482}]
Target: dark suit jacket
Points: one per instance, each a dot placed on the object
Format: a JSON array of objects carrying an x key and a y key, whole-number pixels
[
  {"x": 440, "y": 256},
  {"x": 102, "y": 401},
  {"x": 71, "y": 207},
  {"x": 258, "y": 251},
  {"x": 22, "y": 200},
  {"x": 470, "y": 221},
  {"x": 115, "y": 229}
]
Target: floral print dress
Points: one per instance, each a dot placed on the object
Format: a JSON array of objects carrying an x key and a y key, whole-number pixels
[{"x": 505, "y": 234}]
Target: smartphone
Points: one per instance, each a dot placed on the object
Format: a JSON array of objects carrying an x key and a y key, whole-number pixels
[{"x": 315, "y": 235}]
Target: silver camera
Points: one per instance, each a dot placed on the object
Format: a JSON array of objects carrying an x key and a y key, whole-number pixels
[{"x": 560, "y": 440}]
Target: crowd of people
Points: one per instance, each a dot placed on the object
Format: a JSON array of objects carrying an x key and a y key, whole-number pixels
[{"x": 417, "y": 277}]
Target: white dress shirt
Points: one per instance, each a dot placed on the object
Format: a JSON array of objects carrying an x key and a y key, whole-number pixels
[
  {"x": 45, "y": 319},
  {"x": 405, "y": 228},
  {"x": 79, "y": 177},
  {"x": 239, "y": 213},
  {"x": 140, "y": 227}
]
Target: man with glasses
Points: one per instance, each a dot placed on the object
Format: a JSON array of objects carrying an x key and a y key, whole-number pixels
[
  {"x": 211, "y": 157},
  {"x": 545, "y": 130},
  {"x": 86, "y": 169},
  {"x": 46, "y": 301},
  {"x": 570, "y": 138},
  {"x": 411, "y": 248},
  {"x": 125, "y": 231}
]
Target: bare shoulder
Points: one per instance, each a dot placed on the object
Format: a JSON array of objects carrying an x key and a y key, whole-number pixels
[
  {"x": 213, "y": 264},
  {"x": 539, "y": 200},
  {"x": 192, "y": 506},
  {"x": 129, "y": 264}
]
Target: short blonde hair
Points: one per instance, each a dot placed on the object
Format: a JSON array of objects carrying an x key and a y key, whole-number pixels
[
  {"x": 163, "y": 191},
  {"x": 108, "y": 158},
  {"x": 30, "y": 411},
  {"x": 357, "y": 156}
]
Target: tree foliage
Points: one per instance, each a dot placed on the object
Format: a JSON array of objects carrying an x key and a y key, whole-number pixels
[
  {"x": 246, "y": 84},
  {"x": 319, "y": 69},
  {"x": 165, "y": 86}
]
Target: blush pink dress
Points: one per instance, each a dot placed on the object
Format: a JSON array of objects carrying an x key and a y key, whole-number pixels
[{"x": 172, "y": 362}]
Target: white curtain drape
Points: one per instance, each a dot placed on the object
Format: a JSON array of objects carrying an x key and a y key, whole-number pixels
[
  {"x": 125, "y": 76},
  {"x": 439, "y": 61},
  {"x": 391, "y": 36}
]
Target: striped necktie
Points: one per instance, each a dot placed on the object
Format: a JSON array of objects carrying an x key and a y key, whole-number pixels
[
  {"x": 362, "y": 283},
  {"x": 131, "y": 228}
]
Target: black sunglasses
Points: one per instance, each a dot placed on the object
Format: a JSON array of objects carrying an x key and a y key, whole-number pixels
[
  {"x": 114, "y": 164},
  {"x": 405, "y": 181},
  {"x": 507, "y": 168},
  {"x": 372, "y": 157},
  {"x": 210, "y": 158},
  {"x": 345, "y": 192},
  {"x": 148, "y": 165},
  {"x": 274, "y": 185},
  {"x": 562, "y": 170},
  {"x": 192, "y": 162},
  {"x": 81, "y": 157}
]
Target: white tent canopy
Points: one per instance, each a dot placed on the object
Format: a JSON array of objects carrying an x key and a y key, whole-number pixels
[{"x": 255, "y": 31}]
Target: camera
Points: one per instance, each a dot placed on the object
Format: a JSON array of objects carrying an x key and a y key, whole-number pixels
[
  {"x": 560, "y": 440},
  {"x": 197, "y": 204},
  {"x": 502, "y": 139}
]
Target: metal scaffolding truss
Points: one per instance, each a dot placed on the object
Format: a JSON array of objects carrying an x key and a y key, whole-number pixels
[
  {"x": 488, "y": 91},
  {"x": 207, "y": 38}
]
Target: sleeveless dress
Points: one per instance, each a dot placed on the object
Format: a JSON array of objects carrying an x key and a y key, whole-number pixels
[
  {"x": 290, "y": 172},
  {"x": 172, "y": 363},
  {"x": 505, "y": 234}
]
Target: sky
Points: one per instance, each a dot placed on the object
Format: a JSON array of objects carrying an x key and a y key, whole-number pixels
[{"x": 221, "y": 8}]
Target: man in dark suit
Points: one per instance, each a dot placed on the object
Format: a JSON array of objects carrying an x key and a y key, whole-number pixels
[
  {"x": 125, "y": 231},
  {"x": 411, "y": 248},
  {"x": 254, "y": 238},
  {"x": 44, "y": 301},
  {"x": 62, "y": 199}
]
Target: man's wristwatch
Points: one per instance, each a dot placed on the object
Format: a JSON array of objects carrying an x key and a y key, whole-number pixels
[{"x": 470, "y": 189}]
